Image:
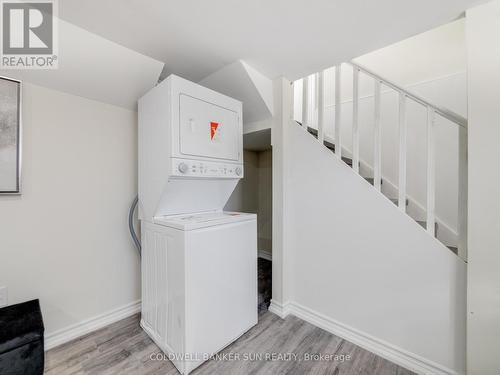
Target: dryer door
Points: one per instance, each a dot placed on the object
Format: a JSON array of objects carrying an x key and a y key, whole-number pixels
[{"x": 208, "y": 130}]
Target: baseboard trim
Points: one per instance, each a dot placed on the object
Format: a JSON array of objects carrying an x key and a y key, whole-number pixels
[
  {"x": 265, "y": 254},
  {"x": 280, "y": 309},
  {"x": 384, "y": 349},
  {"x": 74, "y": 331}
]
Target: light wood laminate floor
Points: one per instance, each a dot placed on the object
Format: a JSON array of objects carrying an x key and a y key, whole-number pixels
[{"x": 124, "y": 348}]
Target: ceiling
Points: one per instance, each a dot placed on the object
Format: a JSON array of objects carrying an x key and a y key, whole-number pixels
[
  {"x": 110, "y": 74},
  {"x": 242, "y": 82},
  {"x": 277, "y": 37},
  {"x": 257, "y": 141}
]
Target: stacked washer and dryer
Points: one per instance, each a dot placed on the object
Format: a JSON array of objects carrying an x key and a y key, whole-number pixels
[{"x": 199, "y": 263}]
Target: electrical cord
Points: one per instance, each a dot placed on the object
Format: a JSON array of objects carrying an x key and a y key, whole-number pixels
[{"x": 131, "y": 228}]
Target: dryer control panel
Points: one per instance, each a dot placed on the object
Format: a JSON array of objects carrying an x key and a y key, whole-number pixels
[{"x": 205, "y": 169}]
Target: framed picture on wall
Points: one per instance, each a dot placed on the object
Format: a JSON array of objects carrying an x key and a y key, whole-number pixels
[{"x": 10, "y": 136}]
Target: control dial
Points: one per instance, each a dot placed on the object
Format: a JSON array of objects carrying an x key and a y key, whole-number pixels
[
  {"x": 183, "y": 167},
  {"x": 238, "y": 171}
]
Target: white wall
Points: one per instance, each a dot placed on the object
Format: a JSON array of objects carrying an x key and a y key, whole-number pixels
[
  {"x": 483, "y": 335},
  {"x": 254, "y": 194},
  {"x": 265, "y": 209},
  {"x": 436, "y": 53},
  {"x": 245, "y": 197},
  {"x": 282, "y": 275},
  {"x": 364, "y": 270},
  {"x": 65, "y": 239},
  {"x": 431, "y": 65}
]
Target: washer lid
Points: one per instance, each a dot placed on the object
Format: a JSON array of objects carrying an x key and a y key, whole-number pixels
[{"x": 202, "y": 220}]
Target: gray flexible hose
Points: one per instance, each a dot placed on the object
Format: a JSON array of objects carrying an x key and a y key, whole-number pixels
[
  {"x": 136, "y": 240},
  {"x": 131, "y": 228}
]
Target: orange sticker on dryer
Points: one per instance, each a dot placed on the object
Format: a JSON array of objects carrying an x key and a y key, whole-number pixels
[{"x": 213, "y": 129}]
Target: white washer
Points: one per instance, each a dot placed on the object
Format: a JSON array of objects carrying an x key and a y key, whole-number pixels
[{"x": 200, "y": 293}]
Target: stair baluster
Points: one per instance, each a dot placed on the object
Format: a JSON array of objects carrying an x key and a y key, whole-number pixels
[
  {"x": 462, "y": 192},
  {"x": 377, "y": 139},
  {"x": 313, "y": 98},
  {"x": 338, "y": 111},
  {"x": 431, "y": 173},
  {"x": 402, "y": 152},
  {"x": 355, "y": 118},
  {"x": 305, "y": 102},
  {"x": 321, "y": 106}
]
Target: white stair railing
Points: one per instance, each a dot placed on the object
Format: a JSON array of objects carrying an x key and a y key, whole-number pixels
[
  {"x": 338, "y": 111},
  {"x": 377, "y": 137},
  {"x": 321, "y": 106},
  {"x": 404, "y": 96}
]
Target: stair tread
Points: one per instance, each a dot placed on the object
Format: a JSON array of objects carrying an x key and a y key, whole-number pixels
[
  {"x": 371, "y": 180},
  {"x": 329, "y": 145},
  {"x": 347, "y": 161},
  {"x": 312, "y": 131},
  {"x": 423, "y": 224},
  {"x": 396, "y": 201}
]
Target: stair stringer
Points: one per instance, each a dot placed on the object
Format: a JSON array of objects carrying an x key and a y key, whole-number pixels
[
  {"x": 415, "y": 209},
  {"x": 366, "y": 268}
]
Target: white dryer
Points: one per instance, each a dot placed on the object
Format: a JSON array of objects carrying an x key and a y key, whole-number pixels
[{"x": 199, "y": 264}]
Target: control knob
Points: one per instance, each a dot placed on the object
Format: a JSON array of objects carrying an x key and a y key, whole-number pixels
[
  {"x": 238, "y": 171},
  {"x": 183, "y": 167}
]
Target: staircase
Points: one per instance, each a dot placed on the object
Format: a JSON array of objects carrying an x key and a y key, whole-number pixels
[{"x": 376, "y": 179}]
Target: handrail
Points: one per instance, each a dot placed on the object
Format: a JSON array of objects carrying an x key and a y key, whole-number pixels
[
  {"x": 402, "y": 198},
  {"x": 446, "y": 113}
]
